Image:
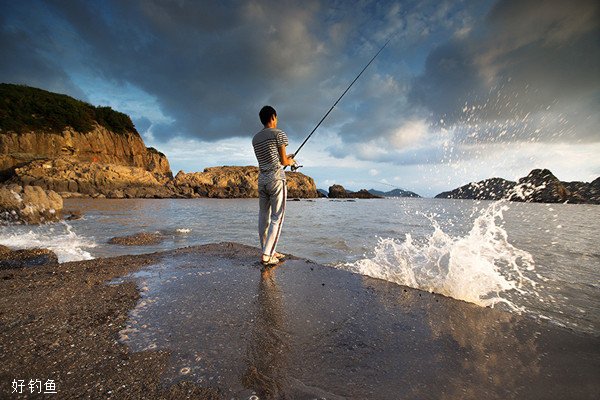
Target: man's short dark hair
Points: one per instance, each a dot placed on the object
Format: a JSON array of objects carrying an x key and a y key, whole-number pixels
[{"x": 266, "y": 113}]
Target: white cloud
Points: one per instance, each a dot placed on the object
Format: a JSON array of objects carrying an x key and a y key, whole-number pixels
[{"x": 410, "y": 134}]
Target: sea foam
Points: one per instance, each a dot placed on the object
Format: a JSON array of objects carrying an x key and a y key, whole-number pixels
[
  {"x": 481, "y": 267},
  {"x": 60, "y": 238}
]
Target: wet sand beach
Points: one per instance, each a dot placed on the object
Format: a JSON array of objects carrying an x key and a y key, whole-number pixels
[{"x": 205, "y": 322}]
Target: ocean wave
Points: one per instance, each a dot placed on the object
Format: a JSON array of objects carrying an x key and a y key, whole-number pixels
[
  {"x": 481, "y": 267},
  {"x": 59, "y": 237}
]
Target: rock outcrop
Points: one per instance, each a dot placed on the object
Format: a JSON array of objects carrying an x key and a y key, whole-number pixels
[
  {"x": 339, "y": 192},
  {"x": 10, "y": 259},
  {"x": 588, "y": 192},
  {"x": 138, "y": 239},
  {"x": 236, "y": 182},
  {"x": 539, "y": 186},
  {"x": 99, "y": 145},
  {"x": 488, "y": 189},
  {"x": 90, "y": 179},
  {"x": 29, "y": 204},
  {"x": 72, "y": 179}
]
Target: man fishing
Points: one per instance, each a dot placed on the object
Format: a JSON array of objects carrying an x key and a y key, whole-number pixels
[
  {"x": 270, "y": 150},
  {"x": 269, "y": 147}
]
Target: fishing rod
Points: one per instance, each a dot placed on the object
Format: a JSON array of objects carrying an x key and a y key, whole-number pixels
[{"x": 295, "y": 167}]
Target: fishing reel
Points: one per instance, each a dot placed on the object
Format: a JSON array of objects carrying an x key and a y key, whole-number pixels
[{"x": 295, "y": 167}]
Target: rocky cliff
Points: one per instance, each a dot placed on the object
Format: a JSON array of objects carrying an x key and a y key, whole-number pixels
[
  {"x": 98, "y": 145},
  {"x": 36, "y": 124}
]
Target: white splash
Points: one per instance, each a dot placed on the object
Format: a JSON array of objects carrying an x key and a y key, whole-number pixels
[
  {"x": 59, "y": 237},
  {"x": 477, "y": 268}
]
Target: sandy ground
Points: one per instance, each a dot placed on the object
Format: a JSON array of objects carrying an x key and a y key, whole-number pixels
[{"x": 204, "y": 322}]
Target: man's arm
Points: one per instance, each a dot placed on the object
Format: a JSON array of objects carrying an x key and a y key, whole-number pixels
[{"x": 284, "y": 158}]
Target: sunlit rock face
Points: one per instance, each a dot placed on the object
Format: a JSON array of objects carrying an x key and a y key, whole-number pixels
[
  {"x": 72, "y": 179},
  {"x": 237, "y": 182},
  {"x": 29, "y": 204},
  {"x": 99, "y": 145}
]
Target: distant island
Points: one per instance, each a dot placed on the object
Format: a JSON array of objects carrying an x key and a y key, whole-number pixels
[
  {"x": 539, "y": 186},
  {"x": 338, "y": 191},
  {"x": 394, "y": 193}
]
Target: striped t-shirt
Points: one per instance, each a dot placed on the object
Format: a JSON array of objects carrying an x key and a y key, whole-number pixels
[{"x": 266, "y": 144}]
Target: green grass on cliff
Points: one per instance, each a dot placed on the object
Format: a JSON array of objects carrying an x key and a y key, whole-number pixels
[{"x": 24, "y": 108}]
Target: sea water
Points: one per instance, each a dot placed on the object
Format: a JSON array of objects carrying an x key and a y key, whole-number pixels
[{"x": 539, "y": 259}]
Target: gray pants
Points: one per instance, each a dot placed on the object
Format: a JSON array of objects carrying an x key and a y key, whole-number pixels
[{"x": 271, "y": 197}]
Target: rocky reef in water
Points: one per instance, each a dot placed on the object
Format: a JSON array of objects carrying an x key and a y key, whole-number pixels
[
  {"x": 70, "y": 147},
  {"x": 539, "y": 186},
  {"x": 339, "y": 192}
]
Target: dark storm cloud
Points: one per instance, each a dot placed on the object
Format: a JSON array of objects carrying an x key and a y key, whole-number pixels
[
  {"x": 529, "y": 67},
  {"x": 24, "y": 61},
  {"x": 211, "y": 65}
]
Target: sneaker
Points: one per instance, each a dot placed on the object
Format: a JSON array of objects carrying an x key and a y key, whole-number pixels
[{"x": 272, "y": 260}]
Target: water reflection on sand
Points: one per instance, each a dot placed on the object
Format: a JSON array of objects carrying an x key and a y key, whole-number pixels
[
  {"x": 268, "y": 347},
  {"x": 305, "y": 331}
]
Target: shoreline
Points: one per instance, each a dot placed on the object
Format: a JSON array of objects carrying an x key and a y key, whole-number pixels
[{"x": 301, "y": 331}]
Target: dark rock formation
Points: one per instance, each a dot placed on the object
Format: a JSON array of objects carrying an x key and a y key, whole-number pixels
[
  {"x": 339, "y": 192},
  {"x": 489, "y": 189},
  {"x": 586, "y": 192},
  {"x": 26, "y": 258},
  {"x": 540, "y": 186},
  {"x": 363, "y": 194},
  {"x": 29, "y": 204},
  {"x": 138, "y": 239}
]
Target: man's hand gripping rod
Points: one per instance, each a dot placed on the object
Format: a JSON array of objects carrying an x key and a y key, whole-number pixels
[{"x": 295, "y": 166}]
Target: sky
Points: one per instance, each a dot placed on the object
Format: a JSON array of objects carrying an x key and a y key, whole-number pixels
[{"x": 464, "y": 91}]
